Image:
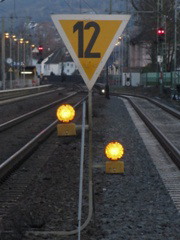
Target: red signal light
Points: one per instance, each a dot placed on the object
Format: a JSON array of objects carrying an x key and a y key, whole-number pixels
[
  {"x": 161, "y": 35},
  {"x": 40, "y": 48},
  {"x": 160, "y": 31}
]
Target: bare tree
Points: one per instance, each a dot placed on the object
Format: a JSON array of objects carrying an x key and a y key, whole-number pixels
[{"x": 150, "y": 17}]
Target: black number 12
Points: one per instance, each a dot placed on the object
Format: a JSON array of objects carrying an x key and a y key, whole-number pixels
[{"x": 79, "y": 26}]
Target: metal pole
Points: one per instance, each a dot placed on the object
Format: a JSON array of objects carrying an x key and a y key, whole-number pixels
[
  {"x": 107, "y": 76},
  {"x": 110, "y": 7},
  {"x": 31, "y": 48},
  {"x": 81, "y": 169},
  {"x": 24, "y": 60},
  {"x": 90, "y": 133},
  {"x": 122, "y": 60},
  {"x": 127, "y": 39},
  {"x": 3, "y": 55},
  {"x": 18, "y": 61},
  {"x": 161, "y": 79},
  {"x": 160, "y": 23},
  {"x": 10, "y": 55},
  {"x": 80, "y": 6},
  {"x": 175, "y": 33},
  {"x": 120, "y": 45},
  {"x": 66, "y": 233}
]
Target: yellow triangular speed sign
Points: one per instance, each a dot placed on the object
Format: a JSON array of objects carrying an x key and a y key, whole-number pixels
[{"x": 90, "y": 40}]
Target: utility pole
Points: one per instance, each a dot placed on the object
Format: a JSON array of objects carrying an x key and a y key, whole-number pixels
[
  {"x": 107, "y": 74},
  {"x": 80, "y": 6},
  {"x": 122, "y": 57},
  {"x": 175, "y": 34},
  {"x": 110, "y": 7},
  {"x": 161, "y": 45},
  {"x": 3, "y": 55},
  {"x": 10, "y": 56},
  {"x": 18, "y": 60},
  {"x": 24, "y": 63}
]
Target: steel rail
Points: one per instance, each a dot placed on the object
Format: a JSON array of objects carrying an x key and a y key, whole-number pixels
[
  {"x": 15, "y": 121},
  {"x": 171, "y": 150},
  {"x": 9, "y": 164},
  {"x": 23, "y": 92},
  {"x": 170, "y": 110},
  {"x": 20, "y": 98}
]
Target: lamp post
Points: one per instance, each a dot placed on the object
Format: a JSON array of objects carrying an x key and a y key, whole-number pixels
[
  {"x": 3, "y": 56},
  {"x": 80, "y": 6},
  {"x": 15, "y": 56},
  {"x": 10, "y": 37},
  {"x": 175, "y": 33},
  {"x": 27, "y": 53},
  {"x": 25, "y": 42},
  {"x": 18, "y": 59},
  {"x": 21, "y": 42},
  {"x": 119, "y": 56},
  {"x": 24, "y": 62},
  {"x": 10, "y": 56},
  {"x": 122, "y": 64},
  {"x": 107, "y": 75},
  {"x": 32, "y": 46}
]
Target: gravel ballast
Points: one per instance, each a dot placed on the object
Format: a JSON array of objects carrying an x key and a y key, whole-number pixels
[{"x": 130, "y": 206}]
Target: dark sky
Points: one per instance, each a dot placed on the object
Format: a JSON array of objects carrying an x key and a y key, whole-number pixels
[
  {"x": 41, "y": 9},
  {"x": 18, "y": 12}
]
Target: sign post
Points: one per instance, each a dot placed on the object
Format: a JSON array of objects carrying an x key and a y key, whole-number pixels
[{"x": 90, "y": 40}]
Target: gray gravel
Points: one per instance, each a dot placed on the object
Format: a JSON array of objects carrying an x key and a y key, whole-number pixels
[{"x": 132, "y": 206}]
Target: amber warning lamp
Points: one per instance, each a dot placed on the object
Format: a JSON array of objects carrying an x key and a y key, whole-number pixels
[
  {"x": 114, "y": 152},
  {"x": 65, "y": 114}
]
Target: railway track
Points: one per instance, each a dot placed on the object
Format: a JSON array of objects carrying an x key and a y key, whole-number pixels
[
  {"x": 22, "y": 92},
  {"x": 13, "y": 130},
  {"x": 164, "y": 124},
  {"x": 23, "y": 117},
  {"x": 17, "y": 171},
  {"x": 162, "y": 121}
]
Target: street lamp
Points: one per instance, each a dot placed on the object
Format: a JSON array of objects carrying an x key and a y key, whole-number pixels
[
  {"x": 3, "y": 57},
  {"x": 120, "y": 44},
  {"x": 18, "y": 63},
  {"x": 20, "y": 50},
  {"x": 8, "y": 36},
  {"x": 3, "y": 53},
  {"x": 16, "y": 54},
  {"x": 32, "y": 46}
]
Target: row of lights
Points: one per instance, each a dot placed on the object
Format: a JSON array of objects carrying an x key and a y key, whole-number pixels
[{"x": 21, "y": 40}]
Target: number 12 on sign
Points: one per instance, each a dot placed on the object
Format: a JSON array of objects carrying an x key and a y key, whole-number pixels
[{"x": 80, "y": 27}]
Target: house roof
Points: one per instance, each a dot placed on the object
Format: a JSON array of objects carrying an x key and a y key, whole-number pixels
[{"x": 59, "y": 56}]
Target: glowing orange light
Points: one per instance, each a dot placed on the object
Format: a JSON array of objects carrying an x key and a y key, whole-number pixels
[
  {"x": 114, "y": 151},
  {"x": 65, "y": 113}
]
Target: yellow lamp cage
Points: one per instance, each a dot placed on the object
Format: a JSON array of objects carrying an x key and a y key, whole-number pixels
[
  {"x": 114, "y": 151},
  {"x": 65, "y": 113}
]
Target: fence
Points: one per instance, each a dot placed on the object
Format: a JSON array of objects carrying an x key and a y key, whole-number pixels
[{"x": 170, "y": 79}]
